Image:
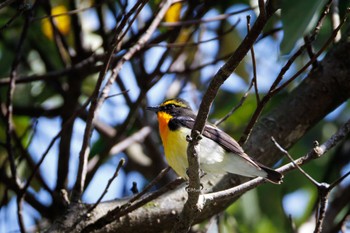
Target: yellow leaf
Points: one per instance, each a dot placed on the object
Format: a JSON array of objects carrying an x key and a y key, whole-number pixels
[
  {"x": 62, "y": 22},
  {"x": 173, "y": 13}
]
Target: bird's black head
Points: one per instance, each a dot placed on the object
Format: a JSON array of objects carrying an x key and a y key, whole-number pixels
[{"x": 174, "y": 107}]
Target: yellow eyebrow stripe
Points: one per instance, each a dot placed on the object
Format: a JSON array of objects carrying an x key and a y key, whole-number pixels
[{"x": 174, "y": 102}]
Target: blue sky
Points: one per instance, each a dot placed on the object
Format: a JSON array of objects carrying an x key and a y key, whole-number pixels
[{"x": 114, "y": 111}]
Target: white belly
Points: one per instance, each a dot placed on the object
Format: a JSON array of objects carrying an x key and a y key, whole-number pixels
[
  {"x": 213, "y": 159},
  {"x": 211, "y": 155}
]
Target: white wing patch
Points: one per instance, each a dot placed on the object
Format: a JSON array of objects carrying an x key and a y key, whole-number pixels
[{"x": 213, "y": 158}]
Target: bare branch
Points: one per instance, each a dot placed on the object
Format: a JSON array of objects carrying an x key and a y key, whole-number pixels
[
  {"x": 193, "y": 204},
  {"x": 262, "y": 8},
  {"x": 335, "y": 19},
  {"x": 9, "y": 123},
  {"x": 127, "y": 208},
  {"x": 292, "y": 160},
  {"x": 274, "y": 89},
  {"x": 150, "y": 185},
  {"x": 323, "y": 188},
  {"x": 7, "y": 2},
  {"x": 95, "y": 103},
  {"x": 120, "y": 165},
  {"x": 191, "y": 207},
  {"x": 22, "y": 8},
  {"x": 314, "y": 58},
  {"x": 195, "y": 44},
  {"x": 104, "y": 93},
  {"x": 87, "y": 66},
  {"x": 20, "y": 213},
  {"x": 208, "y": 20},
  {"x": 321, "y": 19},
  {"x": 71, "y": 12},
  {"x": 255, "y": 76},
  {"x": 41, "y": 160},
  {"x": 240, "y": 103},
  {"x": 316, "y": 152}
]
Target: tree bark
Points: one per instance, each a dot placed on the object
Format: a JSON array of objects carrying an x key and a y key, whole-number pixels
[{"x": 322, "y": 91}]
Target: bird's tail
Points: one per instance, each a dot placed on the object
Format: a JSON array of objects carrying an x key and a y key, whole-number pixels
[{"x": 272, "y": 175}]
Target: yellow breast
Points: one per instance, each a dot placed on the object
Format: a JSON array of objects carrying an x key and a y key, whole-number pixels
[{"x": 175, "y": 144}]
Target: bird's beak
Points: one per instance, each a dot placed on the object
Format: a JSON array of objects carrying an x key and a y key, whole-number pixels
[{"x": 153, "y": 109}]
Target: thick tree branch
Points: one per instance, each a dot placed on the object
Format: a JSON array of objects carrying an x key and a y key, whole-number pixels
[
  {"x": 156, "y": 219},
  {"x": 325, "y": 89},
  {"x": 193, "y": 205}
]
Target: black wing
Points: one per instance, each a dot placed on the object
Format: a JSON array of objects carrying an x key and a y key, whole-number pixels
[
  {"x": 217, "y": 135},
  {"x": 228, "y": 143}
]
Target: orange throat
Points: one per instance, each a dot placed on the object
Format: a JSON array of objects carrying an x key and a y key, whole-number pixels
[{"x": 163, "y": 119}]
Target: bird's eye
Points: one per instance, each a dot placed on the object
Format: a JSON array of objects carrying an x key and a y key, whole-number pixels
[{"x": 171, "y": 106}]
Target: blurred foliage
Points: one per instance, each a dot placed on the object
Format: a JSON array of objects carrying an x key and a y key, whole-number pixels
[
  {"x": 298, "y": 18},
  {"x": 50, "y": 55},
  {"x": 61, "y": 21},
  {"x": 173, "y": 14}
]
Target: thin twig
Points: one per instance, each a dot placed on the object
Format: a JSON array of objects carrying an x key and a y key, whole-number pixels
[
  {"x": 292, "y": 160},
  {"x": 314, "y": 58},
  {"x": 335, "y": 19},
  {"x": 60, "y": 42},
  {"x": 118, "y": 94},
  {"x": 192, "y": 205},
  {"x": 274, "y": 89},
  {"x": 321, "y": 19},
  {"x": 310, "y": 51},
  {"x": 255, "y": 76},
  {"x": 119, "y": 211},
  {"x": 195, "y": 68},
  {"x": 71, "y": 12},
  {"x": 338, "y": 181},
  {"x": 20, "y": 213},
  {"x": 84, "y": 152},
  {"x": 269, "y": 33},
  {"x": 244, "y": 97},
  {"x": 9, "y": 102},
  {"x": 114, "y": 141},
  {"x": 86, "y": 66},
  {"x": 127, "y": 56},
  {"x": 8, "y": 2},
  {"x": 140, "y": 43},
  {"x": 28, "y": 158},
  {"x": 130, "y": 205},
  {"x": 138, "y": 136},
  {"x": 323, "y": 189},
  {"x": 292, "y": 224},
  {"x": 316, "y": 152},
  {"x": 208, "y": 20},
  {"x": 9, "y": 123},
  {"x": 29, "y": 197},
  {"x": 195, "y": 44},
  {"x": 150, "y": 185},
  {"x": 57, "y": 136},
  {"x": 120, "y": 165},
  {"x": 9, "y": 129},
  {"x": 24, "y": 7}
]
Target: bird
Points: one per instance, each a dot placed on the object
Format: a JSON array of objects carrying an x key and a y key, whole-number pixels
[{"x": 218, "y": 152}]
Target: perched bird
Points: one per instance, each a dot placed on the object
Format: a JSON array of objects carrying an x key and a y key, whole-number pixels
[{"x": 218, "y": 152}]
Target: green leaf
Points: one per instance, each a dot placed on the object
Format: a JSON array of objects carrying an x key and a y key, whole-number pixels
[
  {"x": 298, "y": 18},
  {"x": 229, "y": 42}
]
